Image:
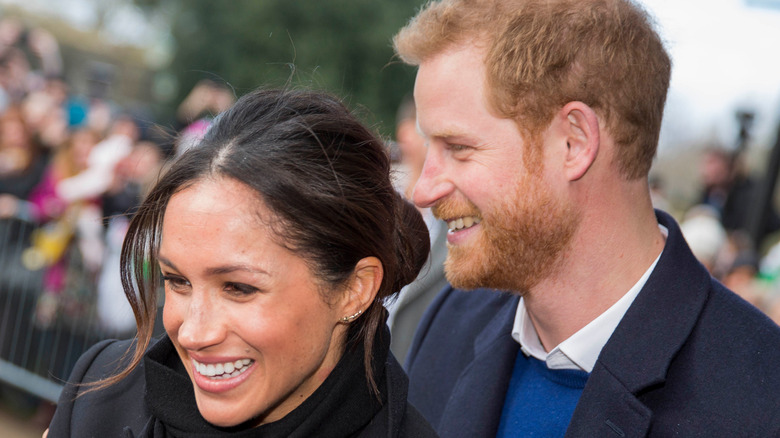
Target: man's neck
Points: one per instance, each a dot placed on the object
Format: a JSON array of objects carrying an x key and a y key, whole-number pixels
[{"x": 608, "y": 255}]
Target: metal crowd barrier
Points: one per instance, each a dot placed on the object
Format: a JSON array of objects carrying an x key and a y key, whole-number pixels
[{"x": 42, "y": 335}]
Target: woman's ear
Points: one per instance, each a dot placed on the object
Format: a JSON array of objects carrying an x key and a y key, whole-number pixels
[
  {"x": 362, "y": 288},
  {"x": 581, "y": 129}
]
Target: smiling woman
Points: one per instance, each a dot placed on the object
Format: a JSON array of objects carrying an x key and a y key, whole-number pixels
[{"x": 277, "y": 238}]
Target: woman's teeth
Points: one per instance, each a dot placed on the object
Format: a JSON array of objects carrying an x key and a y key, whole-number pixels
[
  {"x": 464, "y": 222},
  {"x": 222, "y": 370}
]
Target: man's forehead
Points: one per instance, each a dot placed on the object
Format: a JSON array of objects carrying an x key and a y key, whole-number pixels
[
  {"x": 456, "y": 58},
  {"x": 450, "y": 81}
]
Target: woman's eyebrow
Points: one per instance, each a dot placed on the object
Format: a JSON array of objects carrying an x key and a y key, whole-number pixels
[
  {"x": 218, "y": 270},
  {"x": 166, "y": 262},
  {"x": 226, "y": 269}
]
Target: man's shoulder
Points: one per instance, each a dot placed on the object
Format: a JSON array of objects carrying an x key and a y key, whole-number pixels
[
  {"x": 739, "y": 330},
  {"x": 692, "y": 357},
  {"x": 456, "y": 317},
  {"x": 722, "y": 376},
  {"x": 724, "y": 379}
]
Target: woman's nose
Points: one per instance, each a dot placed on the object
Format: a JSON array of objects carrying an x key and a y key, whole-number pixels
[{"x": 201, "y": 326}]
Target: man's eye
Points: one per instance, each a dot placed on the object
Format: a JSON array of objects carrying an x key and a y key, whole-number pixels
[{"x": 458, "y": 147}]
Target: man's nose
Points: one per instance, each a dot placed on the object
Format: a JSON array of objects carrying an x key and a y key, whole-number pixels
[{"x": 434, "y": 182}]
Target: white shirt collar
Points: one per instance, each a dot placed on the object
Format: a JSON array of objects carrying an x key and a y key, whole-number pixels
[{"x": 581, "y": 350}]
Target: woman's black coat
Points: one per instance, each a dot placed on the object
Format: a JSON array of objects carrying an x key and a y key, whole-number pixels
[{"x": 123, "y": 410}]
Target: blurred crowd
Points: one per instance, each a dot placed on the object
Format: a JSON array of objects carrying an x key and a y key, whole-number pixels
[
  {"x": 75, "y": 167},
  {"x": 718, "y": 230}
]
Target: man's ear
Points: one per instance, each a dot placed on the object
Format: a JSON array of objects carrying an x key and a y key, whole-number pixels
[
  {"x": 362, "y": 288},
  {"x": 581, "y": 131}
]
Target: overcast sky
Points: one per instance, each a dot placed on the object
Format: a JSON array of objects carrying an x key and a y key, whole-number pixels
[{"x": 725, "y": 57}]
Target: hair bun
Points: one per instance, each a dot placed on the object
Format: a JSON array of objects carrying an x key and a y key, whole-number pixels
[{"x": 412, "y": 242}]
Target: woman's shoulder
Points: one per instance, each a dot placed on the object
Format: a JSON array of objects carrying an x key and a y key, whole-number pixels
[
  {"x": 398, "y": 415},
  {"x": 399, "y": 420},
  {"x": 109, "y": 410},
  {"x": 99, "y": 356},
  {"x": 415, "y": 426},
  {"x": 104, "y": 359}
]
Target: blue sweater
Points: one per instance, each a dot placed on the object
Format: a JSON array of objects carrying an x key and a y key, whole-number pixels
[{"x": 539, "y": 401}]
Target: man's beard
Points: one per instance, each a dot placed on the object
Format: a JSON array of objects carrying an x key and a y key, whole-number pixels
[{"x": 521, "y": 242}]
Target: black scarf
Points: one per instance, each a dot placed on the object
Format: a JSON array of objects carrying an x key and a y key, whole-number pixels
[{"x": 341, "y": 407}]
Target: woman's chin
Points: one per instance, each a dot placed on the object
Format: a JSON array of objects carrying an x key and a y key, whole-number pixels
[
  {"x": 219, "y": 420},
  {"x": 221, "y": 416}
]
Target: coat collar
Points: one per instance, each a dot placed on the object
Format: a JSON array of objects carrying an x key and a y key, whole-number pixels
[{"x": 662, "y": 317}]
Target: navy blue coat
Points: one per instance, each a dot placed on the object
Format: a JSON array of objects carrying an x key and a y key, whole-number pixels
[{"x": 689, "y": 358}]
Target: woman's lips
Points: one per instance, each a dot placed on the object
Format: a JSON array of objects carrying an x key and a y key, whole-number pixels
[{"x": 221, "y": 376}]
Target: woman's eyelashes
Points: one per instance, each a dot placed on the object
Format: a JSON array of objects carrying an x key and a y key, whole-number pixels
[
  {"x": 175, "y": 283},
  {"x": 240, "y": 289},
  {"x": 180, "y": 284}
]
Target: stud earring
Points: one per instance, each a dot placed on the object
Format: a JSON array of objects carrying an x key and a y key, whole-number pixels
[{"x": 351, "y": 318}]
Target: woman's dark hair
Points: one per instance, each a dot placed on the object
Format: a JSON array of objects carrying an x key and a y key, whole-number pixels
[{"x": 325, "y": 178}]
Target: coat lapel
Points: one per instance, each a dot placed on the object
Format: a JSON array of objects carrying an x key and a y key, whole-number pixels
[
  {"x": 641, "y": 349},
  {"x": 474, "y": 407}
]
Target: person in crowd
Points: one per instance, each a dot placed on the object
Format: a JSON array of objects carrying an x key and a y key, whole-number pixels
[
  {"x": 542, "y": 118},
  {"x": 196, "y": 111},
  {"x": 27, "y": 57},
  {"x": 61, "y": 224},
  {"x": 409, "y": 306},
  {"x": 14, "y": 75},
  {"x": 278, "y": 237},
  {"x": 728, "y": 187},
  {"x": 134, "y": 176},
  {"x": 22, "y": 161},
  {"x": 44, "y": 110},
  {"x": 97, "y": 178},
  {"x": 705, "y": 235}
]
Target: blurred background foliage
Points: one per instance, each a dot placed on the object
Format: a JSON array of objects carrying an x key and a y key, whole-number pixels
[{"x": 343, "y": 46}]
